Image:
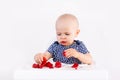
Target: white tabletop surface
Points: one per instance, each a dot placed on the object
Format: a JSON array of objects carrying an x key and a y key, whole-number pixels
[{"x": 66, "y": 72}]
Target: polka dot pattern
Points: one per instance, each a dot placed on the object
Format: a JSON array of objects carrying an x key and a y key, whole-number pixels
[{"x": 57, "y": 49}]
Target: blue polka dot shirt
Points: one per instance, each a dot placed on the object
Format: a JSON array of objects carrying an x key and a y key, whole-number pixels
[{"x": 57, "y": 50}]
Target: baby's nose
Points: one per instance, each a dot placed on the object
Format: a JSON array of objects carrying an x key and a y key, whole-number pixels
[{"x": 63, "y": 36}]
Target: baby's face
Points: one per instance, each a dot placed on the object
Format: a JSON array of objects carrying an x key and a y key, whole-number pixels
[{"x": 66, "y": 33}]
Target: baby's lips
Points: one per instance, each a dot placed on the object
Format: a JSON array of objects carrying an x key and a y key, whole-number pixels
[
  {"x": 64, "y": 54},
  {"x": 63, "y": 41}
]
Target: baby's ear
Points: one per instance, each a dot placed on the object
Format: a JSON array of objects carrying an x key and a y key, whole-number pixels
[{"x": 78, "y": 31}]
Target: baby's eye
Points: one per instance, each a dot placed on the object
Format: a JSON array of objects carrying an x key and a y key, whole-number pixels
[
  {"x": 67, "y": 34},
  {"x": 59, "y": 34}
]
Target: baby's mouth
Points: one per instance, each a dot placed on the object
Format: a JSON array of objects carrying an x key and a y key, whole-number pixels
[{"x": 63, "y": 42}]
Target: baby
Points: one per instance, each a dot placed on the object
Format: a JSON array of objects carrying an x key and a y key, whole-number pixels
[{"x": 66, "y": 49}]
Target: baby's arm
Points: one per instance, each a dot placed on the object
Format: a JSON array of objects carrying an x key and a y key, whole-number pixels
[
  {"x": 84, "y": 58},
  {"x": 39, "y": 57},
  {"x": 47, "y": 55}
]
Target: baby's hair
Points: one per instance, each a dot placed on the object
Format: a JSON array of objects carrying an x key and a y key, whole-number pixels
[{"x": 68, "y": 16}]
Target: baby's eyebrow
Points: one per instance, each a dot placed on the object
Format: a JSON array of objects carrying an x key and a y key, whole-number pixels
[
  {"x": 63, "y": 33},
  {"x": 67, "y": 32},
  {"x": 58, "y": 32}
]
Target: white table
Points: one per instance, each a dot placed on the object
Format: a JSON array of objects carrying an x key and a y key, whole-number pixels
[{"x": 84, "y": 72}]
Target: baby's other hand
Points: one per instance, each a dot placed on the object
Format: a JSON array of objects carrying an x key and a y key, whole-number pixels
[
  {"x": 38, "y": 58},
  {"x": 71, "y": 53}
]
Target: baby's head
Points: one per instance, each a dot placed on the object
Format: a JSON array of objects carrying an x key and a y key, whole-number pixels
[{"x": 67, "y": 29}]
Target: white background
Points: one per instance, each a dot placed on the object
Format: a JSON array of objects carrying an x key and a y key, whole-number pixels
[{"x": 27, "y": 27}]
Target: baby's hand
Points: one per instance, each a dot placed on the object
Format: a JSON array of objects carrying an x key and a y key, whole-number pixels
[
  {"x": 71, "y": 53},
  {"x": 38, "y": 58}
]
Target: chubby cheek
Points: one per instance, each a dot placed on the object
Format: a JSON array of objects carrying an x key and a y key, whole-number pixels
[
  {"x": 71, "y": 38},
  {"x": 70, "y": 41},
  {"x": 58, "y": 39}
]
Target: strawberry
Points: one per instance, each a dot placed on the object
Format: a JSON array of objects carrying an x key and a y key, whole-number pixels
[
  {"x": 75, "y": 65},
  {"x": 48, "y": 64},
  {"x": 43, "y": 62},
  {"x": 35, "y": 65},
  {"x": 64, "y": 54},
  {"x": 57, "y": 64}
]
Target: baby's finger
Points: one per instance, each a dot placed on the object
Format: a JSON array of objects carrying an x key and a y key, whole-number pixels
[
  {"x": 67, "y": 54},
  {"x": 40, "y": 61},
  {"x": 37, "y": 60},
  {"x": 41, "y": 58}
]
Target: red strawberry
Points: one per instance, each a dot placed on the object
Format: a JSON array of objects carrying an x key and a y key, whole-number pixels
[
  {"x": 64, "y": 54},
  {"x": 75, "y": 65},
  {"x": 35, "y": 65},
  {"x": 44, "y": 59},
  {"x": 48, "y": 64},
  {"x": 57, "y": 64},
  {"x": 43, "y": 62}
]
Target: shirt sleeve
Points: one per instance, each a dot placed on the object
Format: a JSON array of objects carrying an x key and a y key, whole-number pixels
[
  {"x": 52, "y": 47},
  {"x": 82, "y": 48}
]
